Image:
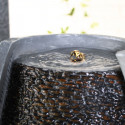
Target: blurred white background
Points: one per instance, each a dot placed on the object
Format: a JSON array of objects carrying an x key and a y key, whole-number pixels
[{"x": 38, "y": 17}]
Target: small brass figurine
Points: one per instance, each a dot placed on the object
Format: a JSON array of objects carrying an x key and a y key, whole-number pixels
[{"x": 77, "y": 56}]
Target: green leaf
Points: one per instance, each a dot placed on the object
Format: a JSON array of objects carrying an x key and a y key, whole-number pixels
[
  {"x": 49, "y": 32},
  {"x": 84, "y": 5},
  {"x": 72, "y": 12},
  {"x": 85, "y": 14},
  {"x": 83, "y": 32},
  {"x": 94, "y": 24},
  {"x": 64, "y": 30},
  {"x": 87, "y": 0}
]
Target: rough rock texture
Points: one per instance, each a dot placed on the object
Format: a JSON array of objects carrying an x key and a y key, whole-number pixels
[
  {"x": 4, "y": 20},
  {"x": 46, "y": 97}
]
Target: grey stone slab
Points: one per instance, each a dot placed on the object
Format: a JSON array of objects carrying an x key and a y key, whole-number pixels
[
  {"x": 121, "y": 58},
  {"x": 4, "y": 20}
]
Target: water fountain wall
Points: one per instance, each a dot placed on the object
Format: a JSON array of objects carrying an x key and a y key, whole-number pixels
[{"x": 12, "y": 49}]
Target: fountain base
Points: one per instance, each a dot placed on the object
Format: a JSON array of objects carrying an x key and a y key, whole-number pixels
[{"x": 39, "y": 96}]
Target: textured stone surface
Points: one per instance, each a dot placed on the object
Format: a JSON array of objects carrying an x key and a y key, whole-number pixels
[
  {"x": 121, "y": 58},
  {"x": 45, "y": 97},
  {"x": 4, "y": 20}
]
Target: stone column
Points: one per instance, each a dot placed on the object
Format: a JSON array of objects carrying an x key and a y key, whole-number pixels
[{"x": 4, "y": 20}]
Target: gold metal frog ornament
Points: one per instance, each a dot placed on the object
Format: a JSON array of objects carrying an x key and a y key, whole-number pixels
[{"x": 77, "y": 56}]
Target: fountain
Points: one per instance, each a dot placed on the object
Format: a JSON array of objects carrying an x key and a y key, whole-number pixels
[{"x": 42, "y": 84}]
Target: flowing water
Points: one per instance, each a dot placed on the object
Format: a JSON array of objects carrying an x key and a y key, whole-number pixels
[
  {"x": 59, "y": 59},
  {"x": 48, "y": 89}
]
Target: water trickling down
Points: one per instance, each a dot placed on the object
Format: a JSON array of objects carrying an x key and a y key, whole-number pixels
[{"x": 49, "y": 89}]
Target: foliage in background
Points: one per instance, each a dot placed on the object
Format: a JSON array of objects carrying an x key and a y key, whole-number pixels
[
  {"x": 64, "y": 30},
  {"x": 94, "y": 24},
  {"x": 72, "y": 12},
  {"x": 84, "y": 4}
]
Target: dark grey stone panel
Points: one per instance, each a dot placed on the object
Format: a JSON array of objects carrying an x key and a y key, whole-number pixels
[{"x": 4, "y": 20}]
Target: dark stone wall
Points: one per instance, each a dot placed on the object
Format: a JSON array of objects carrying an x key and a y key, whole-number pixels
[{"x": 4, "y": 20}]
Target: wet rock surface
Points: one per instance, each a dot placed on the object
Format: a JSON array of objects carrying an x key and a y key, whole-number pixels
[
  {"x": 59, "y": 59},
  {"x": 50, "y": 97}
]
